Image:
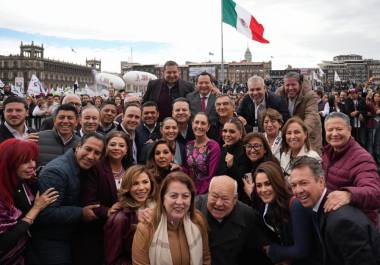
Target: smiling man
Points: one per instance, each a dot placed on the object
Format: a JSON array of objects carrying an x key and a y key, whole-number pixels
[
  {"x": 89, "y": 120},
  {"x": 235, "y": 232},
  {"x": 346, "y": 235},
  {"x": 54, "y": 231},
  {"x": 132, "y": 120},
  {"x": 165, "y": 90},
  {"x": 257, "y": 101},
  {"x": 61, "y": 138},
  {"x": 203, "y": 100},
  {"x": 350, "y": 170}
]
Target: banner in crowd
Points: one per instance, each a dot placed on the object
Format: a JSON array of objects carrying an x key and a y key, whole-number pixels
[
  {"x": 35, "y": 87},
  {"x": 336, "y": 77}
]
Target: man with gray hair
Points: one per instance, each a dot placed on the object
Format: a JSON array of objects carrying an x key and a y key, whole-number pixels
[
  {"x": 235, "y": 231},
  {"x": 258, "y": 99},
  {"x": 351, "y": 172},
  {"x": 346, "y": 235}
]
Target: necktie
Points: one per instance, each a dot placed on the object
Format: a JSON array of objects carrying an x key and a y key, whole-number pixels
[{"x": 203, "y": 104}]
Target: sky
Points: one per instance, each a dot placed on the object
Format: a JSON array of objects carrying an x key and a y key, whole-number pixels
[{"x": 301, "y": 33}]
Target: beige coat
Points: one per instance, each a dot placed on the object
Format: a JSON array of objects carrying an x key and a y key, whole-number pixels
[{"x": 306, "y": 107}]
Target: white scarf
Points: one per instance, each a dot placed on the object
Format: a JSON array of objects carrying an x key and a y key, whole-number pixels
[{"x": 159, "y": 251}]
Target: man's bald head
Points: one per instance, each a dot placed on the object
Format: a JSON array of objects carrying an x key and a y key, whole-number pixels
[{"x": 222, "y": 196}]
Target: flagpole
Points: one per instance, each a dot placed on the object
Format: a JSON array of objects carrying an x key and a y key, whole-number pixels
[{"x": 221, "y": 29}]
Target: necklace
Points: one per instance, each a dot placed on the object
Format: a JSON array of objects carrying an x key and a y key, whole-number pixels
[{"x": 118, "y": 175}]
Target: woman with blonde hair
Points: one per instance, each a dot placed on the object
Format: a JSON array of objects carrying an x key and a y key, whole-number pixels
[
  {"x": 137, "y": 192},
  {"x": 178, "y": 232}
]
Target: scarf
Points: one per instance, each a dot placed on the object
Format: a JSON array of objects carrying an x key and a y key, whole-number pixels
[{"x": 159, "y": 251}]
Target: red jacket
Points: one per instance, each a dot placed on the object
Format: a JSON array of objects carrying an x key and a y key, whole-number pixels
[{"x": 353, "y": 169}]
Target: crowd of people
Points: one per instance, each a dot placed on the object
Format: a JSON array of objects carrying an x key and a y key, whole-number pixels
[{"x": 190, "y": 175}]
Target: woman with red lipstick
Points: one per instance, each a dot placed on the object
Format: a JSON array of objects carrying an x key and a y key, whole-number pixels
[
  {"x": 287, "y": 223},
  {"x": 160, "y": 160},
  {"x": 137, "y": 192},
  {"x": 18, "y": 206},
  {"x": 101, "y": 188},
  {"x": 233, "y": 161}
]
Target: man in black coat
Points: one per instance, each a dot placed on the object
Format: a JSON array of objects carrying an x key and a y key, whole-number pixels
[
  {"x": 346, "y": 235},
  {"x": 165, "y": 90},
  {"x": 235, "y": 232},
  {"x": 14, "y": 126},
  {"x": 257, "y": 101}
]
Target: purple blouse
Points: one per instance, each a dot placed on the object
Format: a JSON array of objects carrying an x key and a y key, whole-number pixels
[{"x": 201, "y": 163}]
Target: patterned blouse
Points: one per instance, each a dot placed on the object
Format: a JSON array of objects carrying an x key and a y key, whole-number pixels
[{"x": 201, "y": 163}]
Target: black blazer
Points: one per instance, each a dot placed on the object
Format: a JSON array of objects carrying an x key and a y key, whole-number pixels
[
  {"x": 154, "y": 89},
  {"x": 6, "y": 134},
  {"x": 246, "y": 108},
  {"x": 348, "y": 236},
  {"x": 194, "y": 99}
]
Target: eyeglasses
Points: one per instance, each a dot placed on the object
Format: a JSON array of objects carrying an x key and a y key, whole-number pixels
[{"x": 255, "y": 147}]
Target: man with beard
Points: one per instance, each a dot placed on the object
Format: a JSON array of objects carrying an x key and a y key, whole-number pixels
[{"x": 15, "y": 113}]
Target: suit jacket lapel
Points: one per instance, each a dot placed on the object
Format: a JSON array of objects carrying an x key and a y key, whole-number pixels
[{"x": 210, "y": 103}]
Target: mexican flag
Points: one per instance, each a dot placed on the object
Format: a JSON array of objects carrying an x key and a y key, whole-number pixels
[{"x": 243, "y": 21}]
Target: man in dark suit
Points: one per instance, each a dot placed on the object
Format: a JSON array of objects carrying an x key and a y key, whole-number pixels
[
  {"x": 181, "y": 113},
  {"x": 346, "y": 235},
  {"x": 235, "y": 232},
  {"x": 257, "y": 100},
  {"x": 15, "y": 113},
  {"x": 203, "y": 99},
  {"x": 165, "y": 90}
]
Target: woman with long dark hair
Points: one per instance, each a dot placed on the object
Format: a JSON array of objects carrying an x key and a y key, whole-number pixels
[
  {"x": 19, "y": 207},
  {"x": 287, "y": 223}
]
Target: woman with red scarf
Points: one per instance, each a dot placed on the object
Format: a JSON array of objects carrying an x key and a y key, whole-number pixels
[{"x": 18, "y": 205}]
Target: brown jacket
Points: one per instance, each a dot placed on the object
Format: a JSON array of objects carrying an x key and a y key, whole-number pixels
[
  {"x": 177, "y": 241},
  {"x": 306, "y": 107}
]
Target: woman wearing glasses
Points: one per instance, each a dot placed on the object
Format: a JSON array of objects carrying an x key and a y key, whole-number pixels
[
  {"x": 296, "y": 143},
  {"x": 258, "y": 151}
]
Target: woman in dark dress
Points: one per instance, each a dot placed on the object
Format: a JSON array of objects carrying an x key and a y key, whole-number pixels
[
  {"x": 137, "y": 192},
  {"x": 19, "y": 207}
]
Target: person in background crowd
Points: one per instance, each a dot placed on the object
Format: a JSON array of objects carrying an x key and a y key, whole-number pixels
[
  {"x": 54, "y": 231},
  {"x": 129, "y": 125},
  {"x": 178, "y": 232},
  {"x": 181, "y": 113},
  {"x": 303, "y": 102},
  {"x": 296, "y": 143},
  {"x": 40, "y": 113},
  {"x": 98, "y": 101},
  {"x": 376, "y": 147},
  {"x": 149, "y": 128},
  {"x": 85, "y": 100},
  {"x": 71, "y": 99},
  {"x": 166, "y": 89},
  {"x": 202, "y": 154},
  {"x": 346, "y": 235},
  {"x": 370, "y": 122},
  {"x": 137, "y": 192},
  {"x": 235, "y": 231},
  {"x": 287, "y": 223},
  {"x": 257, "y": 101},
  {"x": 119, "y": 105},
  {"x": 15, "y": 113},
  {"x": 102, "y": 188},
  {"x": 89, "y": 120},
  {"x": 108, "y": 112},
  {"x": 19, "y": 207},
  {"x": 233, "y": 160},
  {"x": 349, "y": 170},
  {"x": 356, "y": 110},
  {"x": 160, "y": 160},
  {"x": 56, "y": 142},
  {"x": 272, "y": 123},
  {"x": 203, "y": 98}
]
